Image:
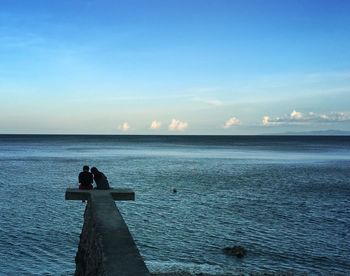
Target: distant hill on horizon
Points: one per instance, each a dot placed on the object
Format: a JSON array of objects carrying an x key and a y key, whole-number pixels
[{"x": 330, "y": 132}]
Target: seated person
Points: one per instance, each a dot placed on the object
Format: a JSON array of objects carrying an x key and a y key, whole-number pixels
[
  {"x": 85, "y": 179},
  {"x": 100, "y": 179}
]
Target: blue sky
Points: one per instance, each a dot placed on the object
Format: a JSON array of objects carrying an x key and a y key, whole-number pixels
[{"x": 174, "y": 67}]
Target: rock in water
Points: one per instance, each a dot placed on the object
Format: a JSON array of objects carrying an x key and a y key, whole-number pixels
[{"x": 238, "y": 251}]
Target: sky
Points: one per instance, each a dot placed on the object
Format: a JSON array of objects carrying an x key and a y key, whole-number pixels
[{"x": 174, "y": 66}]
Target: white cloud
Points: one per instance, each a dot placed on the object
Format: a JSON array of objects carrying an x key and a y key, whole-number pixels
[
  {"x": 231, "y": 122},
  {"x": 155, "y": 124},
  {"x": 299, "y": 118},
  {"x": 331, "y": 117},
  {"x": 213, "y": 102},
  {"x": 124, "y": 126},
  {"x": 177, "y": 125},
  {"x": 296, "y": 115},
  {"x": 266, "y": 120}
]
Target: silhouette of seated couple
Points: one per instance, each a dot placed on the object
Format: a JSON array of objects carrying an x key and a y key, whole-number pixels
[{"x": 87, "y": 178}]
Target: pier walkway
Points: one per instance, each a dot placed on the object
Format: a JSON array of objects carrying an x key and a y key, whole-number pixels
[{"x": 106, "y": 246}]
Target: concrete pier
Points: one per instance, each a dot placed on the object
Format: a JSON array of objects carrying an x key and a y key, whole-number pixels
[{"x": 106, "y": 246}]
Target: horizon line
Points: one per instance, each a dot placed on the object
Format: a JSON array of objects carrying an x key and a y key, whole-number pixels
[{"x": 346, "y": 133}]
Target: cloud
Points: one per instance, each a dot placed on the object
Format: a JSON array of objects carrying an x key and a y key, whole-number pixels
[
  {"x": 265, "y": 120},
  {"x": 177, "y": 125},
  {"x": 231, "y": 122},
  {"x": 155, "y": 124},
  {"x": 330, "y": 117},
  {"x": 296, "y": 115},
  {"x": 213, "y": 102},
  {"x": 124, "y": 126},
  {"x": 307, "y": 118}
]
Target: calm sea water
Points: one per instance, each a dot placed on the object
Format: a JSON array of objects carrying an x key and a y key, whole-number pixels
[{"x": 285, "y": 199}]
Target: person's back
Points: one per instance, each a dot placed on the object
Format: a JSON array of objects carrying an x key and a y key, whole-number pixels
[
  {"x": 100, "y": 179},
  {"x": 85, "y": 179}
]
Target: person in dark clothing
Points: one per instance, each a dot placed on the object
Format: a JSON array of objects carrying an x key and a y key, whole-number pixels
[
  {"x": 85, "y": 179},
  {"x": 100, "y": 179}
]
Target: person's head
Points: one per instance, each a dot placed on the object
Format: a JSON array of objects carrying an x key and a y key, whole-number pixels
[
  {"x": 86, "y": 168},
  {"x": 94, "y": 170}
]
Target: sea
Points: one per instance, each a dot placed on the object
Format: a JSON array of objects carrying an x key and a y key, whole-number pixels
[{"x": 285, "y": 199}]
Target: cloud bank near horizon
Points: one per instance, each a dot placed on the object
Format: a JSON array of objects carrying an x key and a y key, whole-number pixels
[
  {"x": 124, "y": 127},
  {"x": 299, "y": 118},
  {"x": 155, "y": 124},
  {"x": 233, "y": 121},
  {"x": 294, "y": 118},
  {"x": 177, "y": 125}
]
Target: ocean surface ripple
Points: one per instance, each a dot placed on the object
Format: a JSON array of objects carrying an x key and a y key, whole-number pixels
[{"x": 285, "y": 199}]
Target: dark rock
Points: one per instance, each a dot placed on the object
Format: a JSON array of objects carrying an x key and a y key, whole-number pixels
[{"x": 238, "y": 251}]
